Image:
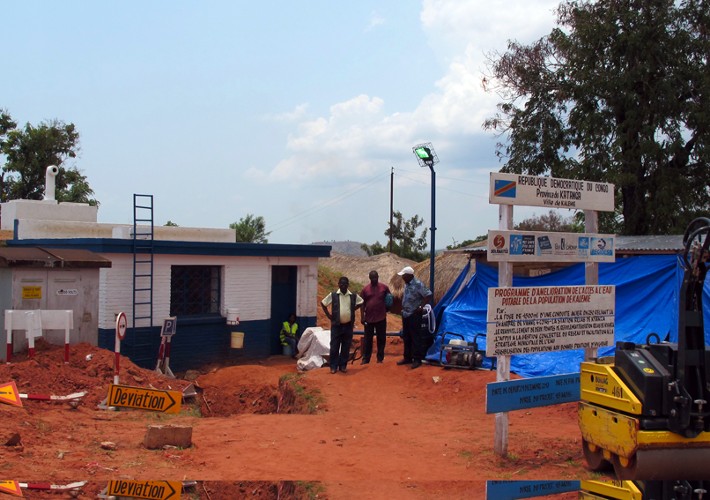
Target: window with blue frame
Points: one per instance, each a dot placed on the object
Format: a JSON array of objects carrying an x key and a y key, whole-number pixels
[{"x": 194, "y": 290}]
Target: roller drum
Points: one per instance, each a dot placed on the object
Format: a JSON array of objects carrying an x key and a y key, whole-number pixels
[{"x": 668, "y": 464}]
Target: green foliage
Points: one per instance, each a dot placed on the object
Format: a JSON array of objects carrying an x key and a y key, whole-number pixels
[
  {"x": 311, "y": 489},
  {"x": 29, "y": 151},
  {"x": 551, "y": 221},
  {"x": 405, "y": 241},
  {"x": 467, "y": 243},
  {"x": 310, "y": 398},
  {"x": 619, "y": 92},
  {"x": 250, "y": 229},
  {"x": 171, "y": 224},
  {"x": 329, "y": 280}
]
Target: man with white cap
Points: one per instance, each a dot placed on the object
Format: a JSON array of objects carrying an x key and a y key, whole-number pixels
[{"x": 415, "y": 297}]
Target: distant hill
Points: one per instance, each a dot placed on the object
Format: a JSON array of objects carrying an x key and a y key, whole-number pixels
[{"x": 345, "y": 247}]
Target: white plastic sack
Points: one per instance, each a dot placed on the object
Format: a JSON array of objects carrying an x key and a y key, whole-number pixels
[{"x": 312, "y": 347}]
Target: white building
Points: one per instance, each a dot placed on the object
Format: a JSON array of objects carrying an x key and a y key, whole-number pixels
[{"x": 198, "y": 275}]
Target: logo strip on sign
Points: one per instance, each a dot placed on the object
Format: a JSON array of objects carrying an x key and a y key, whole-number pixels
[
  {"x": 533, "y": 392},
  {"x": 532, "y": 246},
  {"x": 144, "y": 399}
]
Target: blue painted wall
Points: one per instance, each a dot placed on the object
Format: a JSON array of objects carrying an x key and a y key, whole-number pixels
[{"x": 199, "y": 341}]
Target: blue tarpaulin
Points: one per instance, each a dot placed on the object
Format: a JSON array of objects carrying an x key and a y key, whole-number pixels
[{"x": 647, "y": 290}]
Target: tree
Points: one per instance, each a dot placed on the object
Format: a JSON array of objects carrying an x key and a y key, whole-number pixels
[
  {"x": 29, "y": 151},
  {"x": 467, "y": 243},
  {"x": 250, "y": 229},
  {"x": 551, "y": 221},
  {"x": 171, "y": 223},
  {"x": 619, "y": 92},
  {"x": 405, "y": 242}
]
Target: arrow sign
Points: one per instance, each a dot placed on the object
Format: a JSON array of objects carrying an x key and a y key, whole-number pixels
[
  {"x": 11, "y": 487},
  {"x": 144, "y": 399},
  {"x": 151, "y": 490},
  {"x": 9, "y": 394}
]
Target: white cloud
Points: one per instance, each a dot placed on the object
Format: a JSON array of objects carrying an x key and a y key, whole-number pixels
[
  {"x": 452, "y": 25},
  {"x": 375, "y": 20},
  {"x": 357, "y": 136},
  {"x": 297, "y": 113}
]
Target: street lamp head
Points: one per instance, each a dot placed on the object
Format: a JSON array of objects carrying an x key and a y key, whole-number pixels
[
  {"x": 426, "y": 156},
  {"x": 423, "y": 152}
]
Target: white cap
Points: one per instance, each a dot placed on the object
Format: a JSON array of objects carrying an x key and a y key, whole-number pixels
[{"x": 406, "y": 270}]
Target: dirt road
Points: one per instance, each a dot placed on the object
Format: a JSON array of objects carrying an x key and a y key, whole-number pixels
[{"x": 379, "y": 431}]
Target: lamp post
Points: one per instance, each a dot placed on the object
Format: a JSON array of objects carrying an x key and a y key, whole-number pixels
[{"x": 426, "y": 156}]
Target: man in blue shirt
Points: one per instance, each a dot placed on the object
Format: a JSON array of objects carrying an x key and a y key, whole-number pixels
[{"x": 415, "y": 297}]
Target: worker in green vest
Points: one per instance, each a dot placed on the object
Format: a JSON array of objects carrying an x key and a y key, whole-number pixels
[{"x": 289, "y": 331}]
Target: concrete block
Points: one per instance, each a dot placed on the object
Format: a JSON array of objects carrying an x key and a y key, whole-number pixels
[{"x": 159, "y": 436}]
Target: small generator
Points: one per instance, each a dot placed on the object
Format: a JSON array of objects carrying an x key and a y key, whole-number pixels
[{"x": 456, "y": 352}]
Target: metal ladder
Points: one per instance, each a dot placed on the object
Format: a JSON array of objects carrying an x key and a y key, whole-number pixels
[{"x": 143, "y": 273}]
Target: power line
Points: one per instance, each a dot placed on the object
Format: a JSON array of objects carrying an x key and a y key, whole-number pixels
[
  {"x": 310, "y": 211},
  {"x": 444, "y": 188}
]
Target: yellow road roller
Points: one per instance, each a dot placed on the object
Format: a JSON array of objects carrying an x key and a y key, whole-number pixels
[
  {"x": 645, "y": 411},
  {"x": 642, "y": 490}
]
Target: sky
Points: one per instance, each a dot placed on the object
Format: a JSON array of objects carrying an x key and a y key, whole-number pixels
[{"x": 302, "y": 112}]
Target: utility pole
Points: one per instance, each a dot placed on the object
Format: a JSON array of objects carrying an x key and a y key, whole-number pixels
[{"x": 391, "y": 204}]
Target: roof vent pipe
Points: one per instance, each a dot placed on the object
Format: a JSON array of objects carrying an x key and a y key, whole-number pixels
[{"x": 49, "y": 182}]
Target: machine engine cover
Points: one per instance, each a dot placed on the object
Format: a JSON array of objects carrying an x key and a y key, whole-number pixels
[{"x": 646, "y": 376}]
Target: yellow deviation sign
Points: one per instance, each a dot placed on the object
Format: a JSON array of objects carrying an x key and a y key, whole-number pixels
[
  {"x": 9, "y": 394},
  {"x": 152, "y": 490},
  {"x": 11, "y": 487},
  {"x": 144, "y": 399}
]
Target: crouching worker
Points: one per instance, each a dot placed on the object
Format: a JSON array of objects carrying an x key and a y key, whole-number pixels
[{"x": 288, "y": 334}]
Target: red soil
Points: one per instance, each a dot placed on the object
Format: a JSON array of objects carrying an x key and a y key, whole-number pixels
[{"x": 379, "y": 431}]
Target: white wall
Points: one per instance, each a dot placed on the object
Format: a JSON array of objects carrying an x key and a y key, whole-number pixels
[
  {"x": 246, "y": 285},
  {"x": 41, "y": 228},
  {"x": 46, "y": 210}
]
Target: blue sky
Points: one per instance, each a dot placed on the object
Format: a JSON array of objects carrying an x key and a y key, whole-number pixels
[{"x": 293, "y": 110}]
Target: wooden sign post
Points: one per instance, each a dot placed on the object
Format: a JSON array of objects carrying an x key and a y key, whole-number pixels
[{"x": 508, "y": 190}]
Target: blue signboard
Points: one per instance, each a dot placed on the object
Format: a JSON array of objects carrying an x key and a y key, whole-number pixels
[
  {"x": 169, "y": 327},
  {"x": 531, "y": 392},
  {"x": 510, "y": 490}
]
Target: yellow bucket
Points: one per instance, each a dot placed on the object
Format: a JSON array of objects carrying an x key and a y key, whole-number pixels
[{"x": 237, "y": 340}]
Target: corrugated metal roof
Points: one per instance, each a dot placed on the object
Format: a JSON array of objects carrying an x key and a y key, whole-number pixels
[
  {"x": 650, "y": 244},
  {"x": 54, "y": 258}
]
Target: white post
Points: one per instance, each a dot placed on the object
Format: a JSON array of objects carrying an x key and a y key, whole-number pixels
[
  {"x": 505, "y": 279},
  {"x": 591, "y": 269}
]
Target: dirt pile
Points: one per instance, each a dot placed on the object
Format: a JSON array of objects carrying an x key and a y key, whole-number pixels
[
  {"x": 357, "y": 269},
  {"x": 89, "y": 370}
]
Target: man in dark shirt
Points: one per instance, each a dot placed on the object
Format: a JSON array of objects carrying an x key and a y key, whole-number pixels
[{"x": 374, "y": 317}]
